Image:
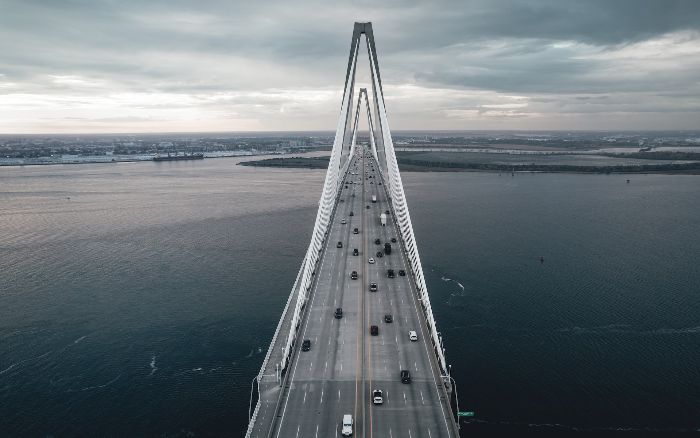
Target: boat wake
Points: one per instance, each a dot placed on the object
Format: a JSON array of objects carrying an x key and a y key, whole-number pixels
[{"x": 154, "y": 368}]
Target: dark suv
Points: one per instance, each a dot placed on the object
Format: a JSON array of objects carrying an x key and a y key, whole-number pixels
[
  {"x": 353, "y": 275},
  {"x": 373, "y": 287},
  {"x": 402, "y": 272},
  {"x": 339, "y": 245},
  {"x": 405, "y": 376},
  {"x": 339, "y": 312},
  {"x": 388, "y": 318},
  {"x": 306, "y": 345},
  {"x": 374, "y": 330},
  {"x": 355, "y": 252},
  {"x": 390, "y": 273}
]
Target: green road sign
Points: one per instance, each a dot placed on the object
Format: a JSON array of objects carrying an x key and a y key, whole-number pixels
[{"x": 465, "y": 414}]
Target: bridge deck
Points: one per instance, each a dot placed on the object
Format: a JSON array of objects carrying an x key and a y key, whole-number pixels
[{"x": 345, "y": 363}]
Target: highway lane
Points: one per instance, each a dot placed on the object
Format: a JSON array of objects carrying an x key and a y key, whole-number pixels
[{"x": 345, "y": 362}]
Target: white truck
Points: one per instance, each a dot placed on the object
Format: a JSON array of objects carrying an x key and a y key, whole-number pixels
[
  {"x": 374, "y": 198},
  {"x": 382, "y": 217}
]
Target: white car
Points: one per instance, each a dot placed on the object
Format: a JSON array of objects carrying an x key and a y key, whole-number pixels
[
  {"x": 347, "y": 425},
  {"x": 371, "y": 261},
  {"x": 412, "y": 335},
  {"x": 343, "y": 222},
  {"x": 377, "y": 397}
]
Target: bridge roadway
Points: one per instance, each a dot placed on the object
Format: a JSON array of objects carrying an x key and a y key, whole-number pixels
[{"x": 345, "y": 363}]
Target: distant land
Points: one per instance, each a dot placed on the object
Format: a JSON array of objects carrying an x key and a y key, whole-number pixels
[
  {"x": 451, "y": 151},
  {"x": 460, "y": 162}
]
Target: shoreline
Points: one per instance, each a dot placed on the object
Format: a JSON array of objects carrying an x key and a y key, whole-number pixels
[{"x": 424, "y": 166}]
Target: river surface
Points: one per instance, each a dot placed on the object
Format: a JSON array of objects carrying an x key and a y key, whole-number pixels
[{"x": 138, "y": 299}]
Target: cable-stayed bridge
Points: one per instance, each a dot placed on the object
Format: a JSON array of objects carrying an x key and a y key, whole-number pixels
[{"x": 358, "y": 318}]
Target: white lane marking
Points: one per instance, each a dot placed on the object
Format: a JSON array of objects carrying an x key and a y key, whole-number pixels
[
  {"x": 390, "y": 434},
  {"x": 326, "y": 367},
  {"x": 415, "y": 365},
  {"x": 321, "y": 395},
  {"x": 339, "y": 395},
  {"x": 409, "y": 433},
  {"x": 311, "y": 364},
  {"x": 421, "y": 398},
  {"x": 404, "y": 398},
  {"x": 304, "y": 402},
  {"x": 298, "y": 427},
  {"x": 430, "y": 435},
  {"x": 317, "y": 431},
  {"x": 341, "y": 369}
]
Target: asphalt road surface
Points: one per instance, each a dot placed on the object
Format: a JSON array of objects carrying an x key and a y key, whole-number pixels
[{"x": 345, "y": 363}]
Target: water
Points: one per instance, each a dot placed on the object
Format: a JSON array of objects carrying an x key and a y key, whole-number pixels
[{"x": 137, "y": 299}]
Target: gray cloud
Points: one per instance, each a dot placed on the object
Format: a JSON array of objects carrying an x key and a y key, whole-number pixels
[{"x": 281, "y": 64}]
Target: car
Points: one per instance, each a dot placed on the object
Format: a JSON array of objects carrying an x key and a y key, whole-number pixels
[
  {"x": 377, "y": 397},
  {"x": 377, "y": 242},
  {"x": 373, "y": 287},
  {"x": 379, "y": 184},
  {"x": 368, "y": 207},
  {"x": 371, "y": 261},
  {"x": 412, "y": 335},
  {"x": 351, "y": 213},
  {"x": 342, "y": 200},
  {"x": 402, "y": 273},
  {"x": 405, "y": 376},
  {"x": 390, "y": 273},
  {"x": 371, "y": 182},
  {"x": 343, "y": 222},
  {"x": 346, "y": 187},
  {"x": 347, "y": 425},
  {"x": 387, "y": 212},
  {"x": 374, "y": 330},
  {"x": 355, "y": 231},
  {"x": 393, "y": 240},
  {"x": 388, "y": 318},
  {"x": 339, "y": 313},
  {"x": 306, "y": 345},
  {"x": 339, "y": 245},
  {"x": 380, "y": 254},
  {"x": 353, "y": 275},
  {"x": 355, "y": 252}
]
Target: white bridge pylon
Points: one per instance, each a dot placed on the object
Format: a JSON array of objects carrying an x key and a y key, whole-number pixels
[{"x": 383, "y": 151}]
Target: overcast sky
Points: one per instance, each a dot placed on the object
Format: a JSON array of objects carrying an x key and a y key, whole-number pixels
[{"x": 210, "y": 65}]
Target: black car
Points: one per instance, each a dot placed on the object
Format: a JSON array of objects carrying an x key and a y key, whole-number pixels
[
  {"x": 387, "y": 212},
  {"x": 339, "y": 312},
  {"x": 373, "y": 287},
  {"x": 388, "y": 318},
  {"x": 374, "y": 330},
  {"x": 355, "y": 231},
  {"x": 368, "y": 207},
  {"x": 351, "y": 213},
  {"x": 306, "y": 345},
  {"x": 387, "y": 248},
  {"x": 377, "y": 242},
  {"x": 405, "y": 376},
  {"x": 339, "y": 245},
  {"x": 355, "y": 252},
  {"x": 402, "y": 272},
  {"x": 353, "y": 275},
  {"x": 393, "y": 240},
  {"x": 380, "y": 254},
  {"x": 390, "y": 273}
]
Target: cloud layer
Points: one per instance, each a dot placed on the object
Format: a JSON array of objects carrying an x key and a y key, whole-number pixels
[{"x": 133, "y": 66}]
